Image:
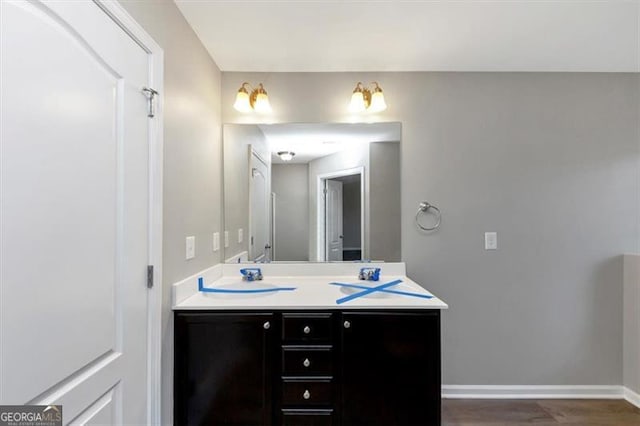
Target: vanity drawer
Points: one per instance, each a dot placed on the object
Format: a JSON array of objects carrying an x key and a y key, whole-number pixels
[
  {"x": 307, "y": 418},
  {"x": 307, "y": 361},
  {"x": 301, "y": 393},
  {"x": 307, "y": 327}
]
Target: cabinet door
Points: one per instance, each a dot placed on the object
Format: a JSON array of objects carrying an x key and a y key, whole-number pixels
[
  {"x": 390, "y": 369},
  {"x": 223, "y": 369}
]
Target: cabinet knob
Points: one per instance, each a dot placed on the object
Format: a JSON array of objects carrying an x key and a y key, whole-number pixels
[
  {"x": 306, "y": 329},
  {"x": 306, "y": 362},
  {"x": 347, "y": 324},
  {"x": 306, "y": 394},
  {"x": 266, "y": 325}
]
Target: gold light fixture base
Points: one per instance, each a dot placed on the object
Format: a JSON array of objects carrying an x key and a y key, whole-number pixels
[{"x": 364, "y": 99}]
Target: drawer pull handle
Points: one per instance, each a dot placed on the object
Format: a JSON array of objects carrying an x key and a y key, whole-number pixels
[
  {"x": 266, "y": 325},
  {"x": 306, "y": 362},
  {"x": 306, "y": 329},
  {"x": 306, "y": 394},
  {"x": 347, "y": 324}
]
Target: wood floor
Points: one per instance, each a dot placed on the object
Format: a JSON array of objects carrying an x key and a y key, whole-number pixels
[{"x": 461, "y": 412}]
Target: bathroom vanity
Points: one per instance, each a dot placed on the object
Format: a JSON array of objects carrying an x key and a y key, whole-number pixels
[{"x": 300, "y": 358}]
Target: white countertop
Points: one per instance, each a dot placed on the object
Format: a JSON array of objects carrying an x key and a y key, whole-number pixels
[{"x": 312, "y": 288}]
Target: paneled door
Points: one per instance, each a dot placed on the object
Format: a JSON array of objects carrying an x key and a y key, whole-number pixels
[
  {"x": 333, "y": 217},
  {"x": 75, "y": 159}
]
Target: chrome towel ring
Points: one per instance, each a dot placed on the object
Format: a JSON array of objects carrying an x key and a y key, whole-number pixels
[{"x": 424, "y": 207}]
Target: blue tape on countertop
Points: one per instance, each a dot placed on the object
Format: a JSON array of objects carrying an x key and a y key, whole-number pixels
[
  {"x": 368, "y": 291},
  {"x": 385, "y": 290},
  {"x": 204, "y": 289}
]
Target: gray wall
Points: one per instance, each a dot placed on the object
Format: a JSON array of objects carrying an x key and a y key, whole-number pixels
[
  {"x": 192, "y": 158},
  {"x": 351, "y": 214},
  {"x": 384, "y": 205},
  {"x": 550, "y": 162},
  {"x": 290, "y": 184},
  {"x": 239, "y": 140}
]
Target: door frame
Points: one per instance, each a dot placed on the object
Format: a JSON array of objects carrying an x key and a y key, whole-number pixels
[
  {"x": 254, "y": 153},
  {"x": 155, "y": 126},
  {"x": 321, "y": 247}
]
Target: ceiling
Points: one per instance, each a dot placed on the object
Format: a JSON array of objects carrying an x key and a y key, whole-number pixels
[
  {"x": 467, "y": 35},
  {"x": 311, "y": 141}
]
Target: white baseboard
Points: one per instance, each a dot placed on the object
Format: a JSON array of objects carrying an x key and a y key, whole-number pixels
[
  {"x": 632, "y": 397},
  {"x": 534, "y": 392}
]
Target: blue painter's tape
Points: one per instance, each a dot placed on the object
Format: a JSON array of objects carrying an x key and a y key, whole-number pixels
[
  {"x": 262, "y": 290},
  {"x": 204, "y": 289},
  {"x": 384, "y": 290},
  {"x": 368, "y": 291}
]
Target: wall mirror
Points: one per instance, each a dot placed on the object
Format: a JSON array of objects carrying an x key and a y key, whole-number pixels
[{"x": 321, "y": 192}]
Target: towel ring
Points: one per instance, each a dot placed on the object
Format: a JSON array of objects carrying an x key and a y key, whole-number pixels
[{"x": 424, "y": 207}]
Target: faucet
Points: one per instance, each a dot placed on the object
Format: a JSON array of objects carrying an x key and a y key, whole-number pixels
[
  {"x": 251, "y": 274},
  {"x": 369, "y": 274}
]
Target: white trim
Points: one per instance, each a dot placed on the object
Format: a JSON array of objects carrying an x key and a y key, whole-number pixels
[
  {"x": 321, "y": 249},
  {"x": 267, "y": 178},
  {"x": 272, "y": 236},
  {"x": 184, "y": 289},
  {"x": 242, "y": 257},
  {"x": 632, "y": 397},
  {"x": 154, "y": 302},
  {"x": 531, "y": 392},
  {"x": 311, "y": 269}
]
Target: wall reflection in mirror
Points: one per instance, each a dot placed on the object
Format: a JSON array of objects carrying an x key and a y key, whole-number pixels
[{"x": 312, "y": 192}]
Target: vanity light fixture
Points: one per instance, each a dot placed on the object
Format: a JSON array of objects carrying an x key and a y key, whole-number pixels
[
  {"x": 286, "y": 155},
  {"x": 257, "y": 100},
  {"x": 370, "y": 100}
]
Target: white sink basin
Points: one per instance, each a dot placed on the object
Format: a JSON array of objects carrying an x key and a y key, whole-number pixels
[{"x": 253, "y": 289}]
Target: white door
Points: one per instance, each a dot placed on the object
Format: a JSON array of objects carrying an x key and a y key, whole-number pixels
[
  {"x": 259, "y": 199},
  {"x": 333, "y": 216},
  {"x": 74, "y": 212}
]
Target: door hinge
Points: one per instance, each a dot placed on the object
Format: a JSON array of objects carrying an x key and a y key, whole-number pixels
[
  {"x": 150, "y": 94},
  {"x": 149, "y": 276},
  {"x": 251, "y": 240}
]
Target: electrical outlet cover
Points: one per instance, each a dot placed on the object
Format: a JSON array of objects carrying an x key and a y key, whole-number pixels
[
  {"x": 216, "y": 241},
  {"x": 490, "y": 240},
  {"x": 190, "y": 248}
]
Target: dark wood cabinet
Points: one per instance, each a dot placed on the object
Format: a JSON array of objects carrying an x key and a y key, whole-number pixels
[
  {"x": 224, "y": 364},
  {"x": 339, "y": 368},
  {"x": 390, "y": 365}
]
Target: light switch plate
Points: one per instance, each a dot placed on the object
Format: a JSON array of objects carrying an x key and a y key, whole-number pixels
[
  {"x": 490, "y": 240},
  {"x": 240, "y": 235},
  {"x": 190, "y": 248},
  {"x": 216, "y": 241},
  {"x": 226, "y": 238}
]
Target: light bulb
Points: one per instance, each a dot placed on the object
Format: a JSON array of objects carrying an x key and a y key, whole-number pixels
[
  {"x": 377, "y": 102},
  {"x": 242, "y": 103},
  {"x": 357, "y": 102},
  {"x": 261, "y": 104}
]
